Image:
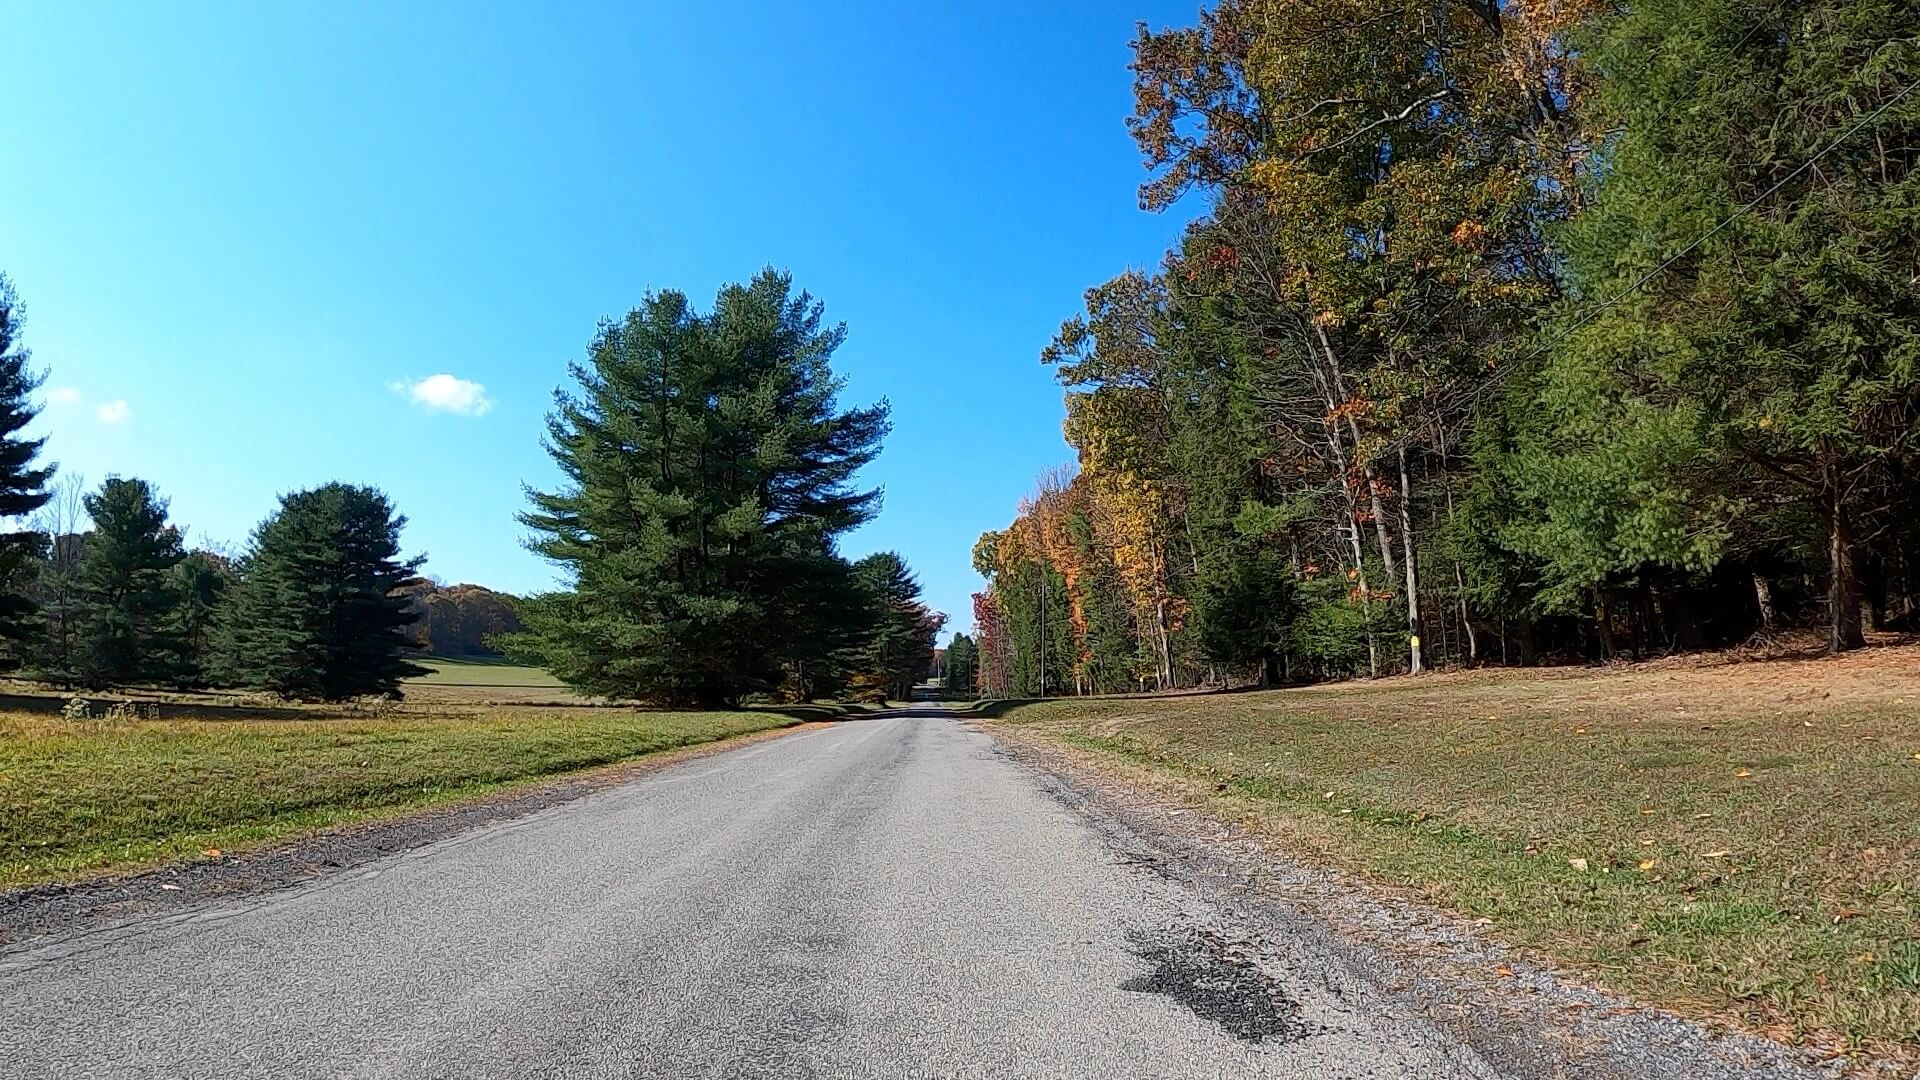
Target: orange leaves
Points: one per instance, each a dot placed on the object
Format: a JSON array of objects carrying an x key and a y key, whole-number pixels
[{"x": 1470, "y": 234}]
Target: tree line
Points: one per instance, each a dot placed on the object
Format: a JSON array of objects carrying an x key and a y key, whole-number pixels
[
  {"x": 708, "y": 473},
  {"x": 459, "y": 620},
  {"x": 98, "y": 588},
  {"x": 1509, "y": 332}
]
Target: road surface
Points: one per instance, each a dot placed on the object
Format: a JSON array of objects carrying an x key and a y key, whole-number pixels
[{"x": 884, "y": 898}]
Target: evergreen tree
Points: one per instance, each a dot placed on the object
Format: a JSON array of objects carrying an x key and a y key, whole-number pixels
[
  {"x": 125, "y": 588},
  {"x": 898, "y": 651},
  {"x": 962, "y": 665},
  {"x": 23, "y": 487},
  {"x": 1778, "y": 363},
  {"x": 200, "y": 585},
  {"x": 708, "y": 470},
  {"x": 831, "y": 617},
  {"x": 318, "y": 613},
  {"x": 1245, "y": 605}
]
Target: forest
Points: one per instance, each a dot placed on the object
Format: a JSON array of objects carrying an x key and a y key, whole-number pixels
[{"x": 1505, "y": 333}]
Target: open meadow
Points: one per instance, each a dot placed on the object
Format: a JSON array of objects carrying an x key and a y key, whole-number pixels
[{"x": 194, "y": 774}]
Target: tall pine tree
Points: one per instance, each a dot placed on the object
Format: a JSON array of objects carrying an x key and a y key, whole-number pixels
[
  {"x": 708, "y": 469},
  {"x": 23, "y": 486},
  {"x": 317, "y": 613},
  {"x": 125, "y": 588},
  {"x": 898, "y": 650}
]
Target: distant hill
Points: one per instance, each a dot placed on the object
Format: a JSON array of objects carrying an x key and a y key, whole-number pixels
[{"x": 459, "y": 619}]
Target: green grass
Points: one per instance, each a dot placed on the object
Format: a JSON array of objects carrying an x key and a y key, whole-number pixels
[
  {"x": 451, "y": 671},
  {"x": 79, "y": 799},
  {"x": 1739, "y": 840}
]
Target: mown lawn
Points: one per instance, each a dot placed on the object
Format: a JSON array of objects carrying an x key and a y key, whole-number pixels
[
  {"x": 466, "y": 671},
  {"x": 80, "y": 798},
  {"x": 1734, "y": 839}
]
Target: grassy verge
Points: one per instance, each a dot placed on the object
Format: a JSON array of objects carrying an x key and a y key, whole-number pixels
[
  {"x": 1740, "y": 839},
  {"x": 83, "y": 798}
]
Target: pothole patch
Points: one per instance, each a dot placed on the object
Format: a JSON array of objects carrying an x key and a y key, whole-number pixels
[{"x": 1217, "y": 980}]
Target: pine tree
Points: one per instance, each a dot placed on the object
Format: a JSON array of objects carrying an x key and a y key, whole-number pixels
[
  {"x": 1778, "y": 363},
  {"x": 125, "y": 588},
  {"x": 1245, "y": 603},
  {"x": 708, "y": 470},
  {"x": 23, "y": 487},
  {"x": 200, "y": 585},
  {"x": 898, "y": 651},
  {"x": 318, "y": 613},
  {"x": 962, "y": 665}
]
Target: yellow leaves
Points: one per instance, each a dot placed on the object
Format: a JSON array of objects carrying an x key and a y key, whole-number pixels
[
  {"x": 1648, "y": 864},
  {"x": 1743, "y": 773},
  {"x": 1470, "y": 234},
  {"x": 211, "y": 853}
]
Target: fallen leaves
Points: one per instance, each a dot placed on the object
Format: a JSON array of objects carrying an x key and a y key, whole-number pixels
[
  {"x": 1648, "y": 864},
  {"x": 1578, "y": 864},
  {"x": 1743, "y": 773},
  {"x": 1716, "y": 854}
]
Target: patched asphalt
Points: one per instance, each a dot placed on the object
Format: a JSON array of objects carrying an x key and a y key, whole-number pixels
[{"x": 887, "y": 897}]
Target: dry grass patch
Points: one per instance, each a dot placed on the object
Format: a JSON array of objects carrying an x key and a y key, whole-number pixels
[{"x": 1726, "y": 838}]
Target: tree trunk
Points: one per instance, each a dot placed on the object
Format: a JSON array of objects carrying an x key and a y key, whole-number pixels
[
  {"x": 1603, "y": 624},
  {"x": 1407, "y": 560},
  {"x": 1763, "y": 596},
  {"x": 1339, "y": 391},
  {"x": 1843, "y": 581}
]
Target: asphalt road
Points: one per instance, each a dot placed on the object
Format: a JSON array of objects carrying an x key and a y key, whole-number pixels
[{"x": 885, "y": 898}]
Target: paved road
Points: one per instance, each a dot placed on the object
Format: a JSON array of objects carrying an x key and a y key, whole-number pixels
[{"x": 885, "y": 898}]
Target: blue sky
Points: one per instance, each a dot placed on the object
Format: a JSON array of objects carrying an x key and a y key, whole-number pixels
[{"x": 244, "y": 233}]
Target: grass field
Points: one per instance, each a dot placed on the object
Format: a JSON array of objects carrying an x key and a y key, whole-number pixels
[
  {"x": 81, "y": 798},
  {"x": 1738, "y": 840},
  {"x": 467, "y": 671},
  {"x": 451, "y": 681}
]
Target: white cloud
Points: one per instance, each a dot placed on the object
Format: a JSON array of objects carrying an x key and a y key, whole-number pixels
[
  {"x": 446, "y": 393},
  {"x": 113, "y": 412},
  {"x": 63, "y": 395}
]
